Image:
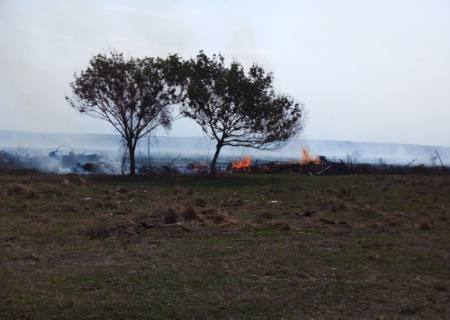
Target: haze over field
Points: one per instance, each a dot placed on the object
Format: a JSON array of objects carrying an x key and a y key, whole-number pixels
[
  {"x": 367, "y": 71},
  {"x": 201, "y": 148}
]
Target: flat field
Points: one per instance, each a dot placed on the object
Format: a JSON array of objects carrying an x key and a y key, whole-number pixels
[{"x": 238, "y": 247}]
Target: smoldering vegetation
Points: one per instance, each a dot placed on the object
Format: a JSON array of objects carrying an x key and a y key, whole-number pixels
[
  {"x": 101, "y": 154},
  {"x": 55, "y": 161}
]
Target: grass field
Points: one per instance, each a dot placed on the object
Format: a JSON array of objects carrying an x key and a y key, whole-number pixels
[{"x": 237, "y": 247}]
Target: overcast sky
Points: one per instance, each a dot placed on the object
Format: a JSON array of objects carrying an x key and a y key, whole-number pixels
[{"x": 366, "y": 70}]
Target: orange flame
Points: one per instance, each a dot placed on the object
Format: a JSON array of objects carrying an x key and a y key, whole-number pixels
[
  {"x": 308, "y": 158},
  {"x": 243, "y": 164}
]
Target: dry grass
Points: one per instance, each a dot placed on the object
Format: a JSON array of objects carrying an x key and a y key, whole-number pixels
[{"x": 243, "y": 246}]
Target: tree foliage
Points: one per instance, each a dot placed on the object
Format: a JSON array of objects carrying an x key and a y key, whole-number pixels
[
  {"x": 133, "y": 95},
  {"x": 238, "y": 108}
]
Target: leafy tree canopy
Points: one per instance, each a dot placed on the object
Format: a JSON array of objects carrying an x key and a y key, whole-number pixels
[
  {"x": 238, "y": 108},
  {"x": 132, "y": 94}
]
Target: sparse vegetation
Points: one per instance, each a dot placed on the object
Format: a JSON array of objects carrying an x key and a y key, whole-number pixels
[{"x": 244, "y": 246}]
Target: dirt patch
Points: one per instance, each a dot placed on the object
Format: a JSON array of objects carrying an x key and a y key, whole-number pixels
[{"x": 189, "y": 213}]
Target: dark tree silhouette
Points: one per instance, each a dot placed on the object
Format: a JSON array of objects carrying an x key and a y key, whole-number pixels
[
  {"x": 236, "y": 108},
  {"x": 133, "y": 95}
]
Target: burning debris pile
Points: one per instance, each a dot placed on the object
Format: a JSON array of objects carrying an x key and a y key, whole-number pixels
[
  {"x": 318, "y": 165},
  {"x": 308, "y": 158},
  {"x": 243, "y": 165},
  {"x": 308, "y": 163}
]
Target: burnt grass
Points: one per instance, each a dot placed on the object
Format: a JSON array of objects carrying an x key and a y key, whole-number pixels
[{"x": 262, "y": 246}]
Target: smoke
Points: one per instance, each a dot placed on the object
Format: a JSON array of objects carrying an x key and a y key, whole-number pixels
[
  {"x": 71, "y": 152},
  {"x": 360, "y": 79},
  {"x": 43, "y": 43}
]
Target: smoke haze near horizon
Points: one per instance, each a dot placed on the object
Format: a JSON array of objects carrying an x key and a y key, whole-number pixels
[{"x": 367, "y": 71}]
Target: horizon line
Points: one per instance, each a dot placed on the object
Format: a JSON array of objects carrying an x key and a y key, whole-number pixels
[{"x": 204, "y": 136}]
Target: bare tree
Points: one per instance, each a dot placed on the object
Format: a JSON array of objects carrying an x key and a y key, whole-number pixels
[
  {"x": 238, "y": 108},
  {"x": 133, "y": 95}
]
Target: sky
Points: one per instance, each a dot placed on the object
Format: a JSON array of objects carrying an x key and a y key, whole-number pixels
[{"x": 375, "y": 71}]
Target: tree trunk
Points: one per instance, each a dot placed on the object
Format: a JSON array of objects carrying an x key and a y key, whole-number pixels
[
  {"x": 132, "y": 159},
  {"x": 213, "y": 169}
]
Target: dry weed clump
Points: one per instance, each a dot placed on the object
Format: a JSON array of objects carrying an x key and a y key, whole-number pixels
[
  {"x": 169, "y": 216},
  {"x": 127, "y": 225},
  {"x": 185, "y": 217},
  {"x": 17, "y": 189},
  {"x": 200, "y": 202},
  {"x": 189, "y": 213},
  {"x": 206, "y": 216},
  {"x": 219, "y": 218},
  {"x": 75, "y": 180}
]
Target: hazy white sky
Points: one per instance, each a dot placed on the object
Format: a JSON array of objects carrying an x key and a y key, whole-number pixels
[{"x": 366, "y": 70}]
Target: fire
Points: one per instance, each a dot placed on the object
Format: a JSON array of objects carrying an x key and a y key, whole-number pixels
[
  {"x": 243, "y": 164},
  {"x": 308, "y": 158}
]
